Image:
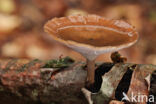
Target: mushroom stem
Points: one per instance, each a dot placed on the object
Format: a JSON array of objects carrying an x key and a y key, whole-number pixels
[{"x": 90, "y": 71}]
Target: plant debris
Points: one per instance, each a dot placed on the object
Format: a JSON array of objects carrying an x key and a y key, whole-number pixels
[{"x": 117, "y": 58}]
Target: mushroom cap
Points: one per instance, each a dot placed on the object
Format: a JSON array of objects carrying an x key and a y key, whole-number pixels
[{"x": 92, "y": 35}]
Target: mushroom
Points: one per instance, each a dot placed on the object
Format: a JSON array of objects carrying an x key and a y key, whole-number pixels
[{"x": 91, "y": 36}]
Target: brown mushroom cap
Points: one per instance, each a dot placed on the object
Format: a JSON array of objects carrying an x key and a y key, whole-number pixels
[{"x": 92, "y": 35}]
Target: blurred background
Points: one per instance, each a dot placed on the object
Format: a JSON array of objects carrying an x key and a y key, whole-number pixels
[{"x": 22, "y": 35}]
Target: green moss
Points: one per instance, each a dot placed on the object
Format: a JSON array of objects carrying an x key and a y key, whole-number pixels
[{"x": 61, "y": 63}]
